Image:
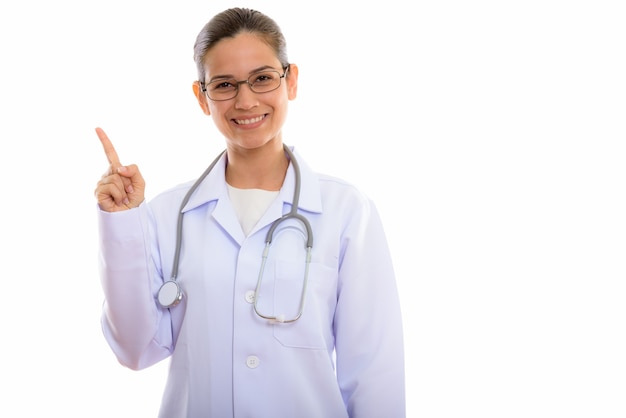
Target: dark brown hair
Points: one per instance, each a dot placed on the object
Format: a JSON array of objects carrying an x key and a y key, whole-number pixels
[{"x": 230, "y": 23}]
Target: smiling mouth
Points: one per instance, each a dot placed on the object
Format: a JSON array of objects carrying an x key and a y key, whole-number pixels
[{"x": 249, "y": 121}]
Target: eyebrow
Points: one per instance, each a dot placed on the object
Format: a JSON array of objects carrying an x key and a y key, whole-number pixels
[{"x": 232, "y": 77}]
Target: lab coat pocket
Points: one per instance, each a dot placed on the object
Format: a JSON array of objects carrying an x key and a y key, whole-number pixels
[{"x": 313, "y": 329}]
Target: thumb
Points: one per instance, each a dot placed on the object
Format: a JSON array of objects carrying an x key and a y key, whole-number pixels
[{"x": 134, "y": 184}]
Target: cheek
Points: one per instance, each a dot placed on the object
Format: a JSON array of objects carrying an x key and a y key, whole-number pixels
[
  {"x": 220, "y": 122},
  {"x": 216, "y": 112},
  {"x": 283, "y": 107}
]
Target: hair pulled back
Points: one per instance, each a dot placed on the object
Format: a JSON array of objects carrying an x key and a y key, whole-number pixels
[{"x": 232, "y": 22}]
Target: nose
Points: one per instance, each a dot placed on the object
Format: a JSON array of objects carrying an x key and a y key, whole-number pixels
[{"x": 246, "y": 98}]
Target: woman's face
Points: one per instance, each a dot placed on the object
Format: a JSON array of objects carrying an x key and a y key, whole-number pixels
[{"x": 250, "y": 120}]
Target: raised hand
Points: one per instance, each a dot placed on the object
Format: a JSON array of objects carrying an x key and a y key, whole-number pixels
[{"x": 121, "y": 187}]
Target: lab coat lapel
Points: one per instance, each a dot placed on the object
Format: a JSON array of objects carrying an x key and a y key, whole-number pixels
[
  {"x": 213, "y": 188},
  {"x": 224, "y": 215}
]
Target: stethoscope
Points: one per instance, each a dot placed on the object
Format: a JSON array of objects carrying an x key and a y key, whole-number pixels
[{"x": 170, "y": 293}]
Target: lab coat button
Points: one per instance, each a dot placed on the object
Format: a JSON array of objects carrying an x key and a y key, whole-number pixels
[
  {"x": 252, "y": 362},
  {"x": 250, "y": 296}
]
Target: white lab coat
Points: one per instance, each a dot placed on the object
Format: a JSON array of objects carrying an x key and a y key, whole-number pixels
[{"x": 226, "y": 361}]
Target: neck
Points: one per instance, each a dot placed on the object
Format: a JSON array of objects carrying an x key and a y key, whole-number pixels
[{"x": 257, "y": 169}]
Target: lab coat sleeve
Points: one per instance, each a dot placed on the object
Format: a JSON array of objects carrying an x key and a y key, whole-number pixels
[
  {"x": 368, "y": 323},
  {"x": 129, "y": 276}
]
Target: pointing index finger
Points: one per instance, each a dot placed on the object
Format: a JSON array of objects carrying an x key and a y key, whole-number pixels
[{"x": 109, "y": 150}]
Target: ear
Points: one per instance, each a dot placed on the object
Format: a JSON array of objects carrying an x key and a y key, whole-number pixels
[
  {"x": 201, "y": 97},
  {"x": 292, "y": 81}
]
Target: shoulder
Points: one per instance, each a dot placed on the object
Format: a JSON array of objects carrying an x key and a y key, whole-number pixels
[
  {"x": 170, "y": 198},
  {"x": 339, "y": 192},
  {"x": 332, "y": 183},
  {"x": 324, "y": 191}
]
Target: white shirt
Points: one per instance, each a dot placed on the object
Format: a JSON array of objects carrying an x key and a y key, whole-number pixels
[
  {"x": 344, "y": 356},
  {"x": 250, "y": 205}
]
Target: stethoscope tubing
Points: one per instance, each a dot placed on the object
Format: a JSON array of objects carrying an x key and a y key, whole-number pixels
[{"x": 170, "y": 294}]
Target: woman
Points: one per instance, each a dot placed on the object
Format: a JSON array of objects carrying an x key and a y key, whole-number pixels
[{"x": 310, "y": 328}]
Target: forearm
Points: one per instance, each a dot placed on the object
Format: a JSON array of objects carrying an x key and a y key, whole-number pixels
[
  {"x": 130, "y": 317},
  {"x": 368, "y": 325}
]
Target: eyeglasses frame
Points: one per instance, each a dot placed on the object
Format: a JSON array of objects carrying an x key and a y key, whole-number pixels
[{"x": 203, "y": 85}]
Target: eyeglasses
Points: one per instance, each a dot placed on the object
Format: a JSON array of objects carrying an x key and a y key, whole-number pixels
[{"x": 259, "y": 82}]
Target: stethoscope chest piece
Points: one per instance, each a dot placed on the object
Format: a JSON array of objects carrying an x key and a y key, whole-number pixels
[{"x": 170, "y": 294}]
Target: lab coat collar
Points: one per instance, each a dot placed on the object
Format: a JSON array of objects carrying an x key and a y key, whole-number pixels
[{"x": 214, "y": 186}]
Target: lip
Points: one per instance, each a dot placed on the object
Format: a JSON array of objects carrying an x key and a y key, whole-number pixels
[{"x": 249, "y": 121}]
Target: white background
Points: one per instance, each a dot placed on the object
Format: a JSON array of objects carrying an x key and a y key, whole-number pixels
[{"x": 490, "y": 133}]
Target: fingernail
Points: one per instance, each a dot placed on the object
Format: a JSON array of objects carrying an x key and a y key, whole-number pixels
[
  {"x": 129, "y": 188},
  {"x": 126, "y": 201},
  {"x": 121, "y": 169}
]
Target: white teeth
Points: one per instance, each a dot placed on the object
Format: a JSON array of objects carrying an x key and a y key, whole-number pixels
[{"x": 248, "y": 121}]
